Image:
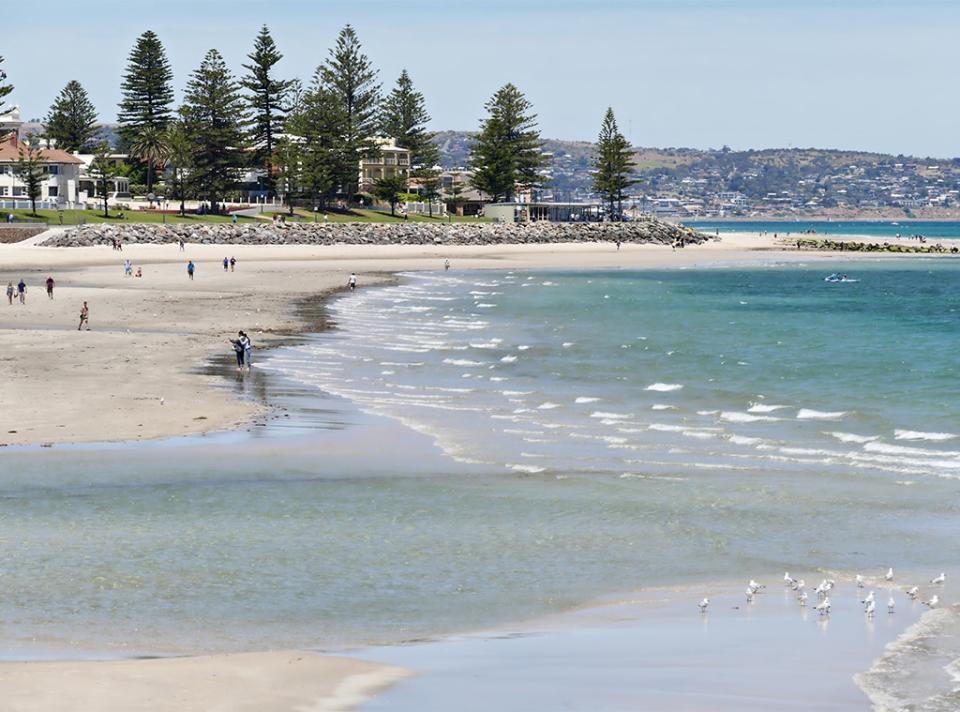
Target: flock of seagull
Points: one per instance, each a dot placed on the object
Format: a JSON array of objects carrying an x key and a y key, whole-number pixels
[{"x": 822, "y": 593}]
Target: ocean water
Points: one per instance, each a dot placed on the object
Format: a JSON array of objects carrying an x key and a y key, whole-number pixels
[
  {"x": 488, "y": 447},
  {"x": 931, "y": 229}
]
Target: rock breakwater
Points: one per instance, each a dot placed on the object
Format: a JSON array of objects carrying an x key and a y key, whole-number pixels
[{"x": 407, "y": 233}]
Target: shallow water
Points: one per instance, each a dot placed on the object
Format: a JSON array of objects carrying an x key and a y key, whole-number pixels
[{"x": 603, "y": 431}]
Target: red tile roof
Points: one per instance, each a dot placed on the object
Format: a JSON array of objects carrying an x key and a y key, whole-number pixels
[{"x": 10, "y": 153}]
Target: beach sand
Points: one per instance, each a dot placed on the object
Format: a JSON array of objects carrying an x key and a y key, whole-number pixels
[
  {"x": 287, "y": 681},
  {"x": 137, "y": 373}
]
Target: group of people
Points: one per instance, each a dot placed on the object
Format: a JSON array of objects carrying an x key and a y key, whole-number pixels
[
  {"x": 116, "y": 244},
  {"x": 128, "y": 270},
  {"x": 229, "y": 263},
  {"x": 243, "y": 348},
  {"x": 20, "y": 291}
]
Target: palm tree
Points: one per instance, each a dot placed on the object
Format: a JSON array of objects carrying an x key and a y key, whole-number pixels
[{"x": 150, "y": 147}]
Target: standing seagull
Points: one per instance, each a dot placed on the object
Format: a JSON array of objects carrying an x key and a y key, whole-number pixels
[
  {"x": 703, "y": 605},
  {"x": 933, "y": 602},
  {"x": 891, "y": 604},
  {"x": 788, "y": 580},
  {"x": 859, "y": 581},
  {"x": 823, "y": 608},
  {"x": 750, "y": 594},
  {"x": 871, "y": 609},
  {"x": 869, "y": 599},
  {"x": 889, "y": 576},
  {"x": 802, "y": 598},
  {"x": 913, "y": 592},
  {"x": 939, "y": 579}
]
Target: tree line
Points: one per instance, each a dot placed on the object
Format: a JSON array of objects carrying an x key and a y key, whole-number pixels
[{"x": 303, "y": 141}]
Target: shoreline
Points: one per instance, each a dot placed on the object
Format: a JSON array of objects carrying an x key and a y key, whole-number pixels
[{"x": 154, "y": 340}]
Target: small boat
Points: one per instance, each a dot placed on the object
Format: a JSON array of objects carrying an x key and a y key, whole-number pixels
[{"x": 839, "y": 278}]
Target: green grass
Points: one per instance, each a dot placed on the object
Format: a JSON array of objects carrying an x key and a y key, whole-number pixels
[
  {"x": 76, "y": 217},
  {"x": 360, "y": 215}
]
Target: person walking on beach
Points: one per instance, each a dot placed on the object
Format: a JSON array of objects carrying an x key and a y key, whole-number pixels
[
  {"x": 22, "y": 291},
  {"x": 127, "y": 268},
  {"x": 226, "y": 264},
  {"x": 50, "y": 284},
  {"x": 233, "y": 263},
  {"x": 352, "y": 282},
  {"x": 190, "y": 268},
  {"x": 247, "y": 349},
  {"x": 84, "y": 317},
  {"x": 238, "y": 349},
  {"x": 181, "y": 243},
  {"x": 10, "y": 293}
]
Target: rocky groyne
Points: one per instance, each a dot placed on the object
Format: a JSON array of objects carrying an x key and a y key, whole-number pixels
[
  {"x": 407, "y": 233},
  {"x": 851, "y": 246}
]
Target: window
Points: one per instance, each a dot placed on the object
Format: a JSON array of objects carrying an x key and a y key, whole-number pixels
[
  {"x": 53, "y": 170},
  {"x": 3, "y": 169},
  {"x": 3, "y": 190},
  {"x": 17, "y": 190},
  {"x": 53, "y": 191}
]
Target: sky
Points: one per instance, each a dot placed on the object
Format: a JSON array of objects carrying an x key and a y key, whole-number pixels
[{"x": 874, "y": 75}]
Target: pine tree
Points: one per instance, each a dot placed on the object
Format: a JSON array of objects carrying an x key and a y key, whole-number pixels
[
  {"x": 213, "y": 113},
  {"x": 390, "y": 190},
  {"x": 29, "y": 170},
  {"x": 287, "y": 169},
  {"x": 5, "y": 90},
  {"x": 350, "y": 78},
  {"x": 72, "y": 119},
  {"x": 180, "y": 158},
  {"x": 316, "y": 122},
  {"x": 508, "y": 153},
  {"x": 102, "y": 171},
  {"x": 267, "y": 101},
  {"x": 147, "y": 88},
  {"x": 614, "y": 164},
  {"x": 404, "y": 118}
]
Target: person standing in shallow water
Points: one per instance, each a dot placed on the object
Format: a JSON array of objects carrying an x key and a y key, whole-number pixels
[
  {"x": 239, "y": 349},
  {"x": 352, "y": 282},
  {"x": 247, "y": 349}
]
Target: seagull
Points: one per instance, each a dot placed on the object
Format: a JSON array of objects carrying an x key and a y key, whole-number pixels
[
  {"x": 869, "y": 599},
  {"x": 859, "y": 581},
  {"x": 891, "y": 604},
  {"x": 889, "y": 576},
  {"x": 802, "y": 598},
  {"x": 830, "y": 583},
  {"x": 799, "y": 585},
  {"x": 703, "y": 605},
  {"x": 754, "y": 586},
  {"x": 823, "y": 608},
  {"x": 939, "y": 579},
  {"x": 750, "y": 594},
  {"x": 788, "y": 580},
  {"x": 871, "y": 607},
  {"x": 913, "y": 593},
  {"x": 933, "y": 602}
]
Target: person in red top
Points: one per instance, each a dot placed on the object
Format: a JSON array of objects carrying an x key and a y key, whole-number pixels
[{"x": 50, "y": 284}]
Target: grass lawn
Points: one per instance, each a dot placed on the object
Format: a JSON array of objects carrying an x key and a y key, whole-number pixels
[
  {"x": 360, "y": 215},
  {"x": 76, "y": 217}
]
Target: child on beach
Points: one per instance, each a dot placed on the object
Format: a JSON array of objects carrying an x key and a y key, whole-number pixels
[
  {"x": 10, "y": 293},
  {"x": 84, "y": 317},
  {"x": 352, "y": 282}
]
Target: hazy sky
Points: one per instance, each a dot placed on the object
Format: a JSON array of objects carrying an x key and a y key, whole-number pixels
[{"x": 866, "y": 74}]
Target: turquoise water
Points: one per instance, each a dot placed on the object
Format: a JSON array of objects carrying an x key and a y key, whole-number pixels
[
  {"x": 931, "y": 229},
  {"x": 502, "y": 445}
]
